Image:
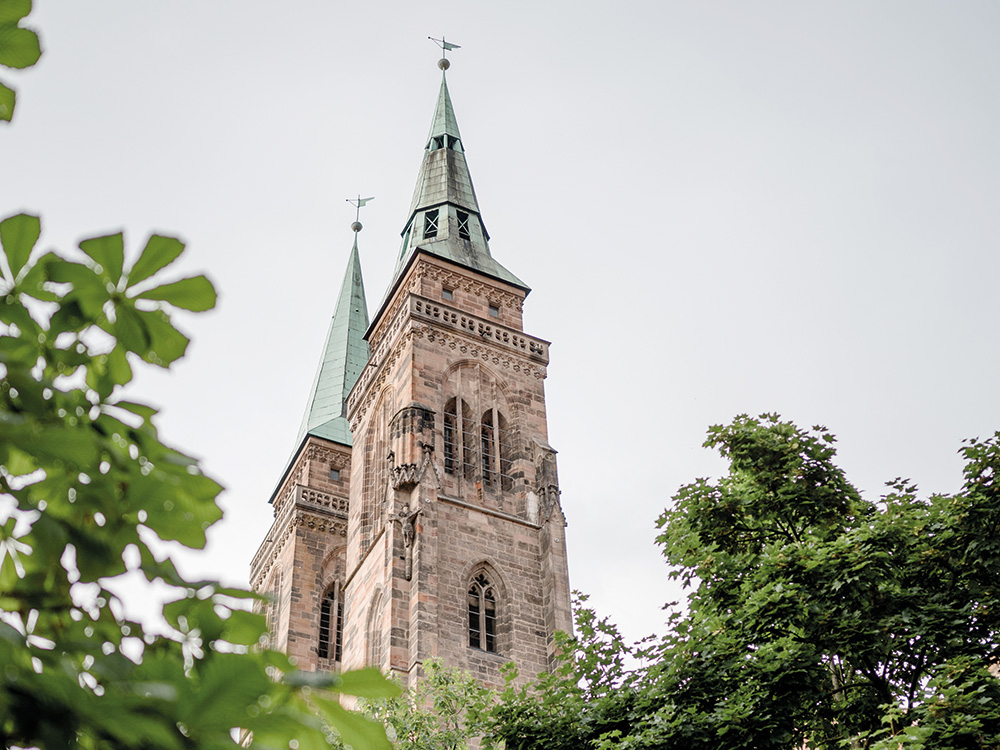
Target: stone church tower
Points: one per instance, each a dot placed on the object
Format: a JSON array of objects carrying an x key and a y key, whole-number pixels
[{"x": 419, "y": 515}]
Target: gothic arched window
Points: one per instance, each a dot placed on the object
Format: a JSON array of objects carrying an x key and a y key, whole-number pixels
[
  {"x": 331, "y": 625},
  {"x": 477, "y": 448},
  {"x": 482, "y": 613},
  {"x": 376, "y": 472},
  {"x": 459, "y": 439},
  {"x": 375, "y": 637}
]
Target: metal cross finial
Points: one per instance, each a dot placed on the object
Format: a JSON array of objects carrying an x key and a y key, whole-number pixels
[{"x": 358, "y": 203}]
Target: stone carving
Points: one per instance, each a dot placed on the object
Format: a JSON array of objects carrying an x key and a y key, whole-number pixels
[
  {"x": 508, "y": 337},
  {"x": 477, "y": 288},
  {"x": 548, "y": 500},
  {"x": 480, "y": 351},
  {"x": 337, "y": 505},
  {"x": 405, "y": 476},
  {"x": 321, "y": 523},
  {"x": 407, "y": 520},
  {"x": 336, "y": 459}
]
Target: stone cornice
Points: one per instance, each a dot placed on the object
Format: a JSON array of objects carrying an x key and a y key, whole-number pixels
[
  {"x": 488, "y": 332},
  {"x": 428, "y": 268},
  {"x": 470, "y": 336},
  {"x": 311, "y": 509}
]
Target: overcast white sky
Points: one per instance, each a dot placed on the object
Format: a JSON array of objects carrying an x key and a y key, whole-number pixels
[{"x": 721, "y": 207}]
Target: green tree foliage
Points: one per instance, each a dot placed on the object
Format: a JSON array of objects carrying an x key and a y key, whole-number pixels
[
  {"x": 87, "y": 492},
  {"x": 448, "y": 709},
  {"x": 815, "y": 615},
  {"x": 19, "y": 48}
]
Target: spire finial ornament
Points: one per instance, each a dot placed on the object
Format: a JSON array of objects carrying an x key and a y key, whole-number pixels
[
  {"x": 444, "y": 63},
  {"x": 358, "y": 203}
]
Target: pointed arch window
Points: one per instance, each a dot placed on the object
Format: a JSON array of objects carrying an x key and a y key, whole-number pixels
[
  {"x": 273, "y": 613},
  {"x": 477, "y": 441},
  {"x": 376, "y": 471},
  {"x": 459, "y": 442},
  {"x": 375, "y": 637},
  {"x": 482, "y": 601},
  {"x": 331, "y": 626}
]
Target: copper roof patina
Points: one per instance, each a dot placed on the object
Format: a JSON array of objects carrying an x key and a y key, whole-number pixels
[
  {"x": 444, "y": 185},
  {"x": 344, "y": 356}
]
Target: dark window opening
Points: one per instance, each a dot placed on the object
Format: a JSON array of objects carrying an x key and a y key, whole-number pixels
[
  {"x": 482, "y": 614},
  {"x": 486, "y": 447},
  {"x": 477, "y": 449},
  {"x": 431, "y": 224},
  {"x": 331, "y": 622},
  {"x": 463, "y": 226},
  {"x": 448, "y": 294},
  {"x": 450, "y": 445},
  {"x": 494, "y": 311},
  {"x": 503, "y": 452},
  {"x": 335, "y": 475},
  {"x": 437, "y": 142},
  {"x": 459, "y": 439}
]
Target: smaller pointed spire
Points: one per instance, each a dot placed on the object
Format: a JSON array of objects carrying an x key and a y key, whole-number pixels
[{"x": 344, "y": 357}]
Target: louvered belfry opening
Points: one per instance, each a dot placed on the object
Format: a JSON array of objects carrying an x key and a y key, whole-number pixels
[{"x": 477, "y": 450}]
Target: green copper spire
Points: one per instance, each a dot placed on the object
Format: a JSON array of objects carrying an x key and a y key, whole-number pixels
[
  {"x": 444, "y": 122},
  {"x": 444, "y": 218},
  {"x": 343, "y": 359}
]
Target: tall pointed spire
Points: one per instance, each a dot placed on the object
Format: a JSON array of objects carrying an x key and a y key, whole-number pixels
[
  {"x": 444, "y": 218},
  {"x": 344, "y": 357}
]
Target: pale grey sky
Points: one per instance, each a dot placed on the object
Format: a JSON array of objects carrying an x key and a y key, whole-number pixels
[{"x": 721, "y": 207}]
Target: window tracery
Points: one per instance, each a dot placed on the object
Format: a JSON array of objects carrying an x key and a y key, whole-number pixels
[
  {"x": 331, "y": 625},
  {"x": 375, "y": 636},
  {"x": 477, "y": 437},
  {"x": 376, "y": 471},
  {"x": 482, "y": 605}
]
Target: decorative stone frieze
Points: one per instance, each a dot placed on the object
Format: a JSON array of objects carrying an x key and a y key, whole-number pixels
[
  {"x": 337, "y": 459},
  {"x": 489, "y": 354},
  {"x": 454, "y": 280},
  {"x": 454, "y": 318},
  {"x": 321, "y": 523}
]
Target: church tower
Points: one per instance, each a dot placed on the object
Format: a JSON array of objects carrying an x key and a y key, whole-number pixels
[{"x": 420, "y": 515}]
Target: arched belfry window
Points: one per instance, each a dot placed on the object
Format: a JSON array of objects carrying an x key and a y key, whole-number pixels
[
  {"x": 477, "y": 438},
  {"x": 482, "y": 600},
  {"x": 331, "y": 625},
  {"x": 459, "y": 442},
  {"x": 376, "y": 472}
]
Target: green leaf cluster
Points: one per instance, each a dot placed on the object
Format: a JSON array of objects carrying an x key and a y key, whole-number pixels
[
  {"x": 815, "y": 617},
  {"x": 87, "y": 492},
  {"x": 19, "y": 48},
  {"x": 447, "y": 709}
]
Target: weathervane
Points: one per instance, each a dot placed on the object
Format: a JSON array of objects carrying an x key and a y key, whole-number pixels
[
  {"x": 444, "y": 63},
  {"x": 358, "y": 203}
]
